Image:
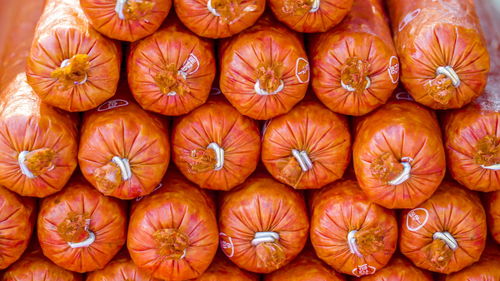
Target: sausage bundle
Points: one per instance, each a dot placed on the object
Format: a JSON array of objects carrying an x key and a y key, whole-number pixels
[
  {"x": 126, "y": 20},
  {"x": 71, "y": 65},
  {"x": 398, "y": 154},
  {"x": 124, "y": 150},
  {"x": 307, "y": 147},
  {"x": 264, "y": 70},
  {"x": 444, "y": 60},
  {"x": 263, "y": 224},
  {"x": 171, "y": 72},
  {"x": 355, "y": 67},
  {"x": 38, "y": 143}
]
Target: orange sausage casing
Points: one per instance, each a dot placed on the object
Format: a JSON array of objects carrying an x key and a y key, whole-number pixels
[
  {"x": 124, "y": 150},
  {"x": 492, "y": 206},
  {"x": 354, "y": 66},
  {"x": 223, "y": 269},
  {"x": 447, "y": 232},
  {"x": 71, "y": 65},
  {"x": 444, "y": 60},
  {"x": 305, "y": 267},
  {"x": 472, "y": 143},
  {"x": 401, "y": 269},
  {"x": 126, "y": 20},
  {"x": 486, "y": 269},
  {"x": 79, "y": 229},
  {"x": 171, "y": 72},
  {"x": 310, "y": 15},
  {"x": 38, "y": 142},
  {"x": 307, "y": 147},
  {"x": 218, "y": 18},
  {"x": 398, "y": 154},
  {"x": 34, "y": 266},
  {"x": 263, "y": 224},
  {"x": 264, "y": 70},
  {"x": 17, "y": 220},
  {"x": 121, "y": 268},
  {"x": 349, "y": 232},
  {"x": 215, "y": 146},
  {"x": 173, "y": 232}
]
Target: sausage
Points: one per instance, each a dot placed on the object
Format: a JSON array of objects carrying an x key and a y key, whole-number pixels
[
  {"x": 492, "y": 205},
  {"x": 401, "y": 269},
  {"x": 263, "y": 224},
  {"x": 447, "y": 232},
  {"x": 171, "y": 71},
  {"x": 17, "y": 220},
  {"x": 264, "y": 70},
  {"x": 307, "y": 147},
  {"x": 398, "y": 154},
  {"x": 38, "y": 142},
  {"x": 487, "y": 268},
  {"x": 355, "y": 67},
  {"x": 70, "y": 65},
  {"x": 305, "y": 267},
  {"x": 121, "y": 268},
  {"x": 79, "y": 229},
  {"x": 223, "y": 269},
  {"x": 173, "y": 232},
  {"x": 310, "y": 15},
  {"x": 349, "y": 232},
  {"x": 126, "y": 20},
  {"x": 218, "y": 18},
  {"x": 472, "y": 143},
  {"x": 124, "y": 150},
  {"x": 215, "y": 146},
  {"x": 444, "y": 60},
  {"x": 34, "y": 266}
]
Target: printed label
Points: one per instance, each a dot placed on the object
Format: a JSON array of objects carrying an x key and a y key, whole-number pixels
[
  {"x": 302, "y": 70},
  {"x": 363, "y": 269},
  {"x": 156, "y": 188},
  {"x": 110, "y": 104},
  {"x": 190, "y": 66},
  {"x": 226, "y": 243},
  {"x": 404, "y": 96},
  {"x": 416, "y": 219},
  {"x": 408, "y": 18},
  {"x": 393, "y": 69}
]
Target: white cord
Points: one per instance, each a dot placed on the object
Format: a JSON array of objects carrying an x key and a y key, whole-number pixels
[
  {"x": 303, "y": 159},
  {"x": 447, "y": 238},
  {"x": 315, "y": 6},
  {"x": 265, "y": 236},
  {"x": 219, "y": 155},
  {"x": 124, "y": 166},
  {"x": 351, "y": 241},
  {"x": 351, "y": 89},
  {"x": 449, "y": 72},
  {"x": 120, "y": 4},
  {"x": 20, "y": 160},
  {"x": 87, "y": 242},
  {"x": 405, "y": 174},
  {"x": 211, "y": 9},
  {"x": 65, "y": 63},
  {"x": 263, "y": 92},
  {"x": 494, "y": 167}
]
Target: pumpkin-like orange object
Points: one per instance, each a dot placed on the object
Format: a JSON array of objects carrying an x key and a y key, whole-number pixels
[
  {"x": 447, "y": 232},
  {"x": 308, "y": 147},
  {"x": 398, "y": 154},
  {"x": 172, "y": 233},
  {"x": 349, "y": 232},
  {"x": 263, "y": 224},
  {"x": 79, "y": 229}
]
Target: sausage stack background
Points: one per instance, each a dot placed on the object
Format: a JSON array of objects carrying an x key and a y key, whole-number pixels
[{"x": 240, "y": 140}]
